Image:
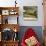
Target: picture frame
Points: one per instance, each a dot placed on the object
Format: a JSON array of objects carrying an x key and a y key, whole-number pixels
[
  {"x": 30, "y": 12},
  {"x": 5, "y": 12},
  {"x": 12, "y": 12}
]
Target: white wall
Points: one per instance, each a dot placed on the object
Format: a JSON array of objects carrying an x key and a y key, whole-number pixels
[
  {"x": 39, "y": 22},
  {"x": 22, "y": 3}
]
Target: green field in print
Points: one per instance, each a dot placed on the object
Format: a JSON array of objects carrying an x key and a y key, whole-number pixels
[{"x": 30, "y": 11}]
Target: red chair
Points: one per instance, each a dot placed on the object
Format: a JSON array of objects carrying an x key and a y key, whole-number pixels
[{"x": 29, "y": 33}]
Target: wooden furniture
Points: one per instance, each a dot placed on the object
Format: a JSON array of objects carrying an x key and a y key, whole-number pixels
[
  {"x": 10, "y": 43},
  {"x": 8, "y": 11},
  {"x": 44, "y": 36},
  {"x": 5, "y": 13},
  {"x": 11, "y": 26},
  {"x": 44, "y": 5}
]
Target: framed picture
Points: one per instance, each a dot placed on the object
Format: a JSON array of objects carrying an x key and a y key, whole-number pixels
[
  {"x": 30, "y": 12},
  {"x": 5, "y": 12},
  {"x": 13, "y": 12}
]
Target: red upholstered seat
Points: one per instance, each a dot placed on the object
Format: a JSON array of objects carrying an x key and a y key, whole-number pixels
[{"x": 29, "y": 33}]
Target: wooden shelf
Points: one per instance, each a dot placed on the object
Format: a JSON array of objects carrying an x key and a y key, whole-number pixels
[
  {"x": 4, "y": 13},
  {"x": 10, "y": 9},
  {"x": 9, "y": 43},
  {"x": 12, "y": 43},
  {"x": 10, "y": 26}
]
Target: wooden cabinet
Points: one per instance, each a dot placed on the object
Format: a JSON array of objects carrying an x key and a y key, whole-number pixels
[{"x": 5, "y": 26}]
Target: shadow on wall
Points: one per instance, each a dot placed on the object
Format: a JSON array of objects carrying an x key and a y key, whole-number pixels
[{"x": 37, "y": 29}]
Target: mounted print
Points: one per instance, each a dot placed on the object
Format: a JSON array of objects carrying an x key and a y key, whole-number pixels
[
  {"x": 30, "y": 12},
  {"x": 5, "y": 12}
]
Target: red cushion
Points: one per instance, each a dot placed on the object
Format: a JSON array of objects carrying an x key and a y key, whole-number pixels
[{"x": 29, "y": 33}]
